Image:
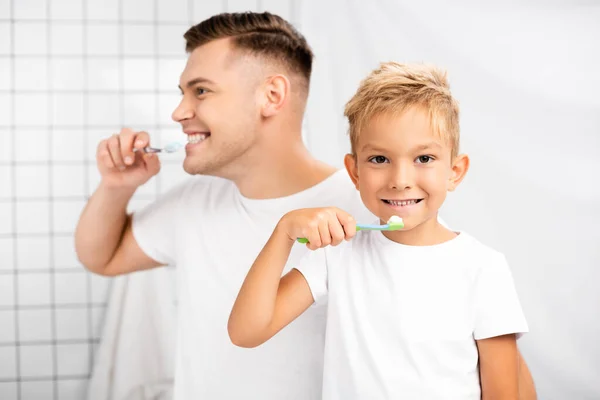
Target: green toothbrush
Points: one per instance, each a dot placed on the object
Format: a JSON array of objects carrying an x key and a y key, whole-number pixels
[{"x": 394, "y": 223}]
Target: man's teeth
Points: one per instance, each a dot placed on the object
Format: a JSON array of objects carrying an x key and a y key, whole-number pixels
[
  {"x": 197, "y": 138},
  {"x": 402, "y": 203}
]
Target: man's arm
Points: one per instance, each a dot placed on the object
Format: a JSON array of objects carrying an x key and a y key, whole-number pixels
[
  {"x": 104, "y": 241},
  {"x": 526, "y": 385},
  {"x": 499, "y": 368}
]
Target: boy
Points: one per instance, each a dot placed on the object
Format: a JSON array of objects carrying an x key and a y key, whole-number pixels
[{"x": 418, "y": 313}]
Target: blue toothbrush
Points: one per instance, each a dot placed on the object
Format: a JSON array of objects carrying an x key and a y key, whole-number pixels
[{"x": 394, "y": 223}]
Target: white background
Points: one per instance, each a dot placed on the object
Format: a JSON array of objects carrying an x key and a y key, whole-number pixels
[{"x": 525, "y": 73}]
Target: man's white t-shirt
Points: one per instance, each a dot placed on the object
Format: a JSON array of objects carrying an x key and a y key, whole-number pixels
[
  {"x": 212, "y": 234},
  {"x": 402, "y": 320}
]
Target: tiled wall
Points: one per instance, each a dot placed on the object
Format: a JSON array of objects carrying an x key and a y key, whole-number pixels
[{"x": 71, "y": 73}]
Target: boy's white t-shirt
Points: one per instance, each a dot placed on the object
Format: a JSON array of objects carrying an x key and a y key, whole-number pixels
[
  {"x": 402, "y": 320},
  {"x": 212, "y": 234}
]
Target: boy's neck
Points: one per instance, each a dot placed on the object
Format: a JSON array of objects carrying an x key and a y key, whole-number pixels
[{"x": 428, "y": 233}]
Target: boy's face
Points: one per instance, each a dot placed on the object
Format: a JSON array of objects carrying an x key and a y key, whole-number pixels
[{"x": 401, "y": 168}]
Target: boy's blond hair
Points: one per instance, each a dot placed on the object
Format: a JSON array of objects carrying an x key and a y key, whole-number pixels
[{"x": 394, "y": 87}]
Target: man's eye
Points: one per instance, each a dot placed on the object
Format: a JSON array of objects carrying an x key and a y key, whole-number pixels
[
  {"x": 378, "y": 159},
  {"x": 200, "y": 91},
  {"x": 424, "y": 159}
]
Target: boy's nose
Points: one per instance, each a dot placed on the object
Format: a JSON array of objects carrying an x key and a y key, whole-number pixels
[{"x": 402, "y": 178}]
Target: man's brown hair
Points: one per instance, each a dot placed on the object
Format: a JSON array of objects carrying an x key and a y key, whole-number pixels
[{"x": 261, "y": 34}]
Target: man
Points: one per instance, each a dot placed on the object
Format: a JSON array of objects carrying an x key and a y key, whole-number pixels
[{"x": 244, "y": 88}]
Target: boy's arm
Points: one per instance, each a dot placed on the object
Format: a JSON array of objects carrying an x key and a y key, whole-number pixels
[
  {"x": 499, "y": 368},
  {"x": 526, "y": 385},
  {"x": 268, "y": 302}
]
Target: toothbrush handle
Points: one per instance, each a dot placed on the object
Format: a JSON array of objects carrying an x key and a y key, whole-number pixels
[{"x": 359, "y": 227}]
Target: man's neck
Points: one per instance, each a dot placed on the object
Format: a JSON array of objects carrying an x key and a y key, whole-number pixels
[{"x": 282, "y": 171}]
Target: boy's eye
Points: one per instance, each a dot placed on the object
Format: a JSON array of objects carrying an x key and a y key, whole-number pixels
[
  {"x": 378, "y": 159},
  {"x": 424, "y": 159}
]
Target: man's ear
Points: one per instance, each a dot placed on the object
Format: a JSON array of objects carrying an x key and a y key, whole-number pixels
[
  {"x": 460, "y": 166},
  {"x": 352, "y": 168},
  {"x": 276, "y": 92}
]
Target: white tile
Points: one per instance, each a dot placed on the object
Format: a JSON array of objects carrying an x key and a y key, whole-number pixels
[
  {"x": 5, "y": 74},
  {"x": 107, "y": 10},
  {"x": 140, "y": 109},
  {"x": 72, "y": 389},
  {"x": 6, "y": 215},
  {"x": 36, "y": 361},
  {"x": 93, "y": 179},
  {"x": 37, "y": 390},
  {"x": 6, "y": 110},
  {"x": 8, "y": 366},
  {"x": 102, "y": 40},
  {"x": 66, "y": 9},
  {"x": 7, "y": 322},
  {"x": 100, "y": 288},
  {"x": 7, "y": 290},
  {"x": 5, "y": 38},
  {"x": 171, "y": 175},
  {"x": 173, "y": 10},
  {"x": 138, "y": 40},
  {"x": 67, "y": 39},
  {"x": 35, "y": 325},
  {"x": 67, "y": 74},
  {"x": 72, "y": 324},
  {"x": 167, "y": 103},
  {"x": 94, "y": 137},
  {"x": 34, "y": 289},
  {"x": 169, "y": 71},
  {"x": 67, "y": 145},
  {"x": 147, "y": 189},
  {"x": 139, "y": 74},
  {"x": 64, "y": 253},
  {"x": 73, "y": 359},
  {"x": 171, "y": 41},
  {"x": 6, "y": 151},
  {"x": 104, "y": 109},
  {"x": 68, "y": 180},
  {"x": 241, "y": 5},
  {"x": 33, "y": 217},
  {"x": 31, "y": 73},
  {"x": 24, "y": 151},
  {"x": 137, "y": 10},
  {"x": 206, "y": 9},
  {"x": 30, "y": 9},
  {"x": 7, "y": 250},
  {"x": 32, "y": 181},
  {"x": 278, "y": 7},
  {"x": 98, "y": 314},
  {"x": 70, "y": 288},
  {"x": 5, "y": 8},
  {"x": 8, "y": 390},
  {"x": 103, "y": 74},
  {"x": 31, "y": 109},
  {"x": 28, "y": 38},
  {"x": 6, "y": 186},
  {"x": 33, "y": 253},
  {"x": 67, "y": 109},
  {"x": 66, "y": 215}
]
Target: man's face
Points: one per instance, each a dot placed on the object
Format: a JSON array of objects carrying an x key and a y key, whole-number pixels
[{"x": 218, "y": 111}]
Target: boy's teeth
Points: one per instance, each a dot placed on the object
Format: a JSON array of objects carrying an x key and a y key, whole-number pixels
[
  {"x": 402, "y": 202},
  {"x": 196, "y": 138}
]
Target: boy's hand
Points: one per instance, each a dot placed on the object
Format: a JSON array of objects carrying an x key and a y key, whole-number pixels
[
  {"x": 321, "y": 226},
  {"x": 119, "y": 166}
]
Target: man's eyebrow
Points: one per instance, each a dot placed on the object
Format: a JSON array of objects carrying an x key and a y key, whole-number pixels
[{"x": 196, "y": 81}]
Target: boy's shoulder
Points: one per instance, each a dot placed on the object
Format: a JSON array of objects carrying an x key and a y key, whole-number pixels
[{"x": 479, "y": 253}]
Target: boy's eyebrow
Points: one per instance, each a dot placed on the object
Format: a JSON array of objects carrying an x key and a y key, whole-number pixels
[
  {"x": 426, "y": 146},
  {"x": 196, "y": 81}
]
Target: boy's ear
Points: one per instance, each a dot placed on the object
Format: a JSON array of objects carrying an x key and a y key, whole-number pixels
[
  {"x": 351, "y": 167},
  {"x": 460, "y": 166},
  {"x": 275, "y": 94}
]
